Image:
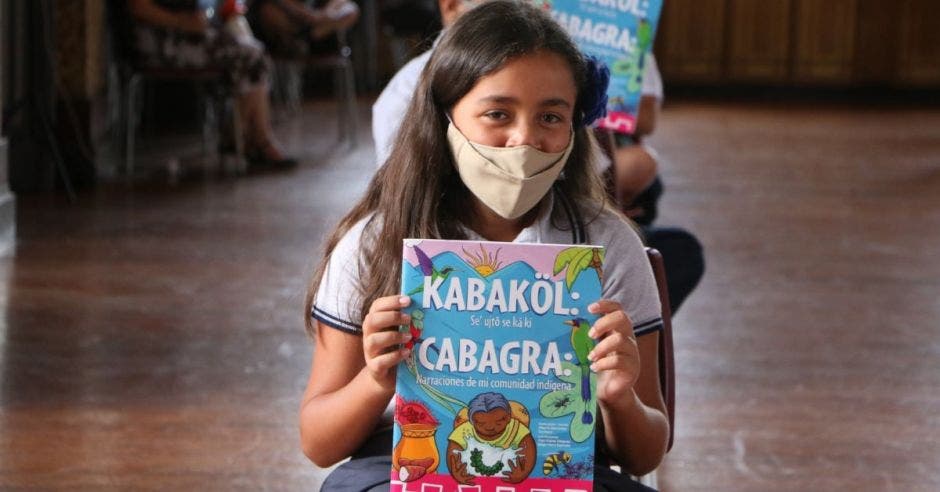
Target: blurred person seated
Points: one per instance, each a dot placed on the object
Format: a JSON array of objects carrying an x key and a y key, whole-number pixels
[
  {"x": 177, "y": 34},
  {"x": 633, "y": 182},
  {"x": 390, "y": 107},
  {"x": 410, "y": 26},
  {"x": 297, "y": 28},
  {"x": 632, "y": 178}
]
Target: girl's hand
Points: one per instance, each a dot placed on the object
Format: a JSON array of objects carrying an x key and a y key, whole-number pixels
[
  {"x": 616, "y": 357},
  {"x": 381, "y": 338}
]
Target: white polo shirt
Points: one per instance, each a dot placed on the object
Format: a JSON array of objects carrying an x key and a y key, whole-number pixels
[{"x": 628, "y": 277}]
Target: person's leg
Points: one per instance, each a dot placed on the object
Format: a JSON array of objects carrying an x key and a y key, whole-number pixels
[
  {"x": 634, "y": 184},
  {"x": 645, "y": 207},
  {"x": 339, "y": 15},
  {"x": 282, "y": 34},
  {"x": 682, "y": 257},
  {"x": 635, "y": 171},
  {"x": 249, "y": 70},
  {"x": 263, "y": 129},
  {"x": 248, "y": 102}
]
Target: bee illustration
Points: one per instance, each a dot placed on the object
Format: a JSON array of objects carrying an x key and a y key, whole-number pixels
[{"x": 553, "y": 460}]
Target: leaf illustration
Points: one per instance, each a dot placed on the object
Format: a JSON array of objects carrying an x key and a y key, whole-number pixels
[
  {"x": 565, "y": 257},
  {"x": 578, "y": 264},
  {"x": 580, "y": 432},
  {"x": 575, "y": 260},
  {"x": 559, "y": 403}
]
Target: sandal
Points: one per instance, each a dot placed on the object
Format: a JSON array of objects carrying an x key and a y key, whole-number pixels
[{"x": 268, "y": 155}]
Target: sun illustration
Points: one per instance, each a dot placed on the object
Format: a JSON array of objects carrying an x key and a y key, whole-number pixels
[{"x": 484, "y": 263}]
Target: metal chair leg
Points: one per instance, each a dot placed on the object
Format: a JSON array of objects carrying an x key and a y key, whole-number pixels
[
  {"x": 339, "y": 95},
  {"x": 345, "y": 87},
  {"x": 296, "y": 84},
  {"x": 241, "y": 165},
  {"x": 352, "y": 120},
  {"x": 207, "y": 99},
  {"x": 131, "y": 120}
]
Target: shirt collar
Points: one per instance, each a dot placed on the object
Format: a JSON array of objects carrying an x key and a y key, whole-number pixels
[{"x": 534, "y": 233}]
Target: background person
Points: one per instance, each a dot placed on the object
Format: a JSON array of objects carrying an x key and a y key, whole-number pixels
[{"x": 177, "y": 34}]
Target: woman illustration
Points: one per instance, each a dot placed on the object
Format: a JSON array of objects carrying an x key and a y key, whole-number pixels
[{"x": 491, "y": 422}]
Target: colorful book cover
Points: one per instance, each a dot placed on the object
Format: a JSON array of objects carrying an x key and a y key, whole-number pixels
[
  {"x": 620, "y": 33},
  {"x": 497, "y": 394}
]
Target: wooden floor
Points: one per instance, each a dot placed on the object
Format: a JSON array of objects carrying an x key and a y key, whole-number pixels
[{"x": 152, "y": 334}]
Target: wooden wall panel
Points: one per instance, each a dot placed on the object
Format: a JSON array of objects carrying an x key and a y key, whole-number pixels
[
  {"x": 825, "y": 40},
  {"x": 759, "y": 40},
  {"x": 919, "y": 54},
  {"x": 876, "y": 45},
  {"x": 801, "y": 42},
  {"x": 79, "y": 46},
  {"x": 691, "y": 40}
]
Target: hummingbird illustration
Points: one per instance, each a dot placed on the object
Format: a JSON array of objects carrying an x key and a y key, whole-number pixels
[
  {"x": 644, "y": 34},
  {"x": 415, "y": 328},
  {"x": 415, "y": 335},
  {"x": 428, "y": 270},
  {"x": 583, "y": 344}
]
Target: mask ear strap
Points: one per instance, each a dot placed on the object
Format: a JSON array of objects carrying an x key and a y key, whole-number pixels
[{"x": 578, "y": 235}]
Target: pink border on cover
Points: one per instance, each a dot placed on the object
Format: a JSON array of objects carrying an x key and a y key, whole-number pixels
[{"x": 437, "y": 482}]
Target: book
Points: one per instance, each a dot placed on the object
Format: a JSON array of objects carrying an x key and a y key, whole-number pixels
[
  {"x": 620, "y": 33},
  {"x": 497, "y": 393}
]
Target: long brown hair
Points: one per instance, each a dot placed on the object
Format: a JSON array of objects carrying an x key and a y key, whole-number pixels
[{"x": 417, "y": 193}]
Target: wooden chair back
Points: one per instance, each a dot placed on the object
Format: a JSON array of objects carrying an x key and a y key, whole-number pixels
[{"x": 667, "y": 376}]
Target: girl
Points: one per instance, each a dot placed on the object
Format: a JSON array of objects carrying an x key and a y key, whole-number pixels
[{"x": 495, "y": 147}]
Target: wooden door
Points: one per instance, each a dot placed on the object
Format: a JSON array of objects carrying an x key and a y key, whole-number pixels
[
  {"x": 759, "y": 42},
  {"x": 825, "y": 41},
  {"x": 876, "y": 43},
  {"x": 919, "y": 55},
  {"x": 690, "y": 42}
]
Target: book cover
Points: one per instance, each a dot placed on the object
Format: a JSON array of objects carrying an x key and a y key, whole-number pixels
[
  {"x": 497, "y": 394},
  {"x": 620, "y": 33}
]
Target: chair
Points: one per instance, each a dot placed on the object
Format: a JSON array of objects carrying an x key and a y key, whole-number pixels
[
  {"x": 289, "y": 73},
  {"x": 667, "y": 374},
  {"x": 605, "y": 139},
  {"x": 217, "y": 104}
]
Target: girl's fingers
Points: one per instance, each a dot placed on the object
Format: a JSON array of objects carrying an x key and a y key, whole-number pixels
[
  {"x": 614, "y": 343},
  {"x": 615, "y": 321},
  {"x": 385, "y": 362},
  {"x": 382, "y": 320},
  {"x": 604, "y": 306},
  {"x": 389, "y": 303},
  {"x": 379, "y": 343},
  {"x": 614, "y": 361}
]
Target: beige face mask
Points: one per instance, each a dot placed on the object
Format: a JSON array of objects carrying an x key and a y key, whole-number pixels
[{"x": 509, "y": 180}]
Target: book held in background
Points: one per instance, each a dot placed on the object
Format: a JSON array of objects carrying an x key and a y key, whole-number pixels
[
  {"x": 620, "y": 33},
  {"x": 497, "y": 394}
]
